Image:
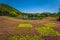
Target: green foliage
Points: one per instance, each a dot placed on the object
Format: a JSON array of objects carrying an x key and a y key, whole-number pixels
[
  {"x": 37, "y": 38},
  {"x": 24, "y": 25},
  {"x": 47, "y": 31},
  {"x": 25, "y": 38},
  {"x": 6, "y": 10},
  {"x": 49, "y": 24},
  {"x": 37, "y": 14},
  {"x": 13, "y": 37},
  {"x": 13, "y": 14},
  {"x": 58, "y": 17}
]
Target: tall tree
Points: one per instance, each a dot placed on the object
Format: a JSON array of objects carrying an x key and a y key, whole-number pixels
[{"x": 59, "y": 14}]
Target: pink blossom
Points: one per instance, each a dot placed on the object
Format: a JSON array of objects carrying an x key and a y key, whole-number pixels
[{"x": 58, "y": 23}]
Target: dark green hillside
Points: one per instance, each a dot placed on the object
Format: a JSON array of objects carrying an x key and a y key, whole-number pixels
[{"x": 6, "y": 10}]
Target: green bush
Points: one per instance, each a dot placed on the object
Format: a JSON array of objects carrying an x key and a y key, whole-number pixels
[
  {"x": 13, "y": 37},
  {"x": 24, "y": 25},
  {"x": 13, "y": 14},
  {"x": 49, "y": 24},
  {"x": 47, "y": 31},
  {"x": 25, "y": 38}
]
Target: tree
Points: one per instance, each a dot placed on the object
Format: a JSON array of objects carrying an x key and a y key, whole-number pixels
[
  {"x": 59, "y": 14},
  {"x": 13, "y": 14},
  {"x": 1, "y": 13},
  {"x": 37, "y": 15},
  {"x": 55, "y": 15},
  {"x": 4, "y": 13}
]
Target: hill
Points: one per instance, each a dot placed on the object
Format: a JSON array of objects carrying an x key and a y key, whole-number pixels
[{"x": 6, "y": 10}]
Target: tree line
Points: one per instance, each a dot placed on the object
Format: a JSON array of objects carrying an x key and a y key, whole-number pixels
[
  {"x": 6, "y": 10},
  {"x": 29, "y": 15}
]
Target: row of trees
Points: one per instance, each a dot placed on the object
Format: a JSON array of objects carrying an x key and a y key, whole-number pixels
[
  {"x": 6, "y": 13},
  {"x": 29, "y": 15},
  {"x": 6, "y": 10},
  {"x": 38, "y": 15}
]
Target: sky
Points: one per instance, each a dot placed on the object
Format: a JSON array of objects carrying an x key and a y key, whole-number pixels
[{"x": 34, "y": 6}]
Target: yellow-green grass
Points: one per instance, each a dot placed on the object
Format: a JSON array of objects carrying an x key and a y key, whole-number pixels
[
  {"x": 25, "y": 25},
  {"x": 47, "y": 31},
  {"x": 50, "y": 24},
  {"x": 25, "y": 37}
]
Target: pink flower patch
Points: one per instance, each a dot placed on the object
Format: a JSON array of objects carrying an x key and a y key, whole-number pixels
[{"x": 58, "y": 23}]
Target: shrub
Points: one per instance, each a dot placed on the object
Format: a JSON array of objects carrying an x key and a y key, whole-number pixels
[
  {"x": 24, "y": 25},
  {"x": 13, "y": 37},
  {"x": 47, "y": 31},
  {"x": 58, "y": 23},
  {"x": 25, "y": 38},
  {"x": 49, "y": 25},
  {"x": 13, "y": 14}
]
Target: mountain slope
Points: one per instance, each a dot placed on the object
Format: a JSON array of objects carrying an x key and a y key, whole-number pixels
[{"x": 8, "y": 10}]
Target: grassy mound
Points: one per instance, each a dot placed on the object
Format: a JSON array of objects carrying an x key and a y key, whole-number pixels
[
  {"x": 47, "y": 31},
  {"x": 25, "y": 25}
]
